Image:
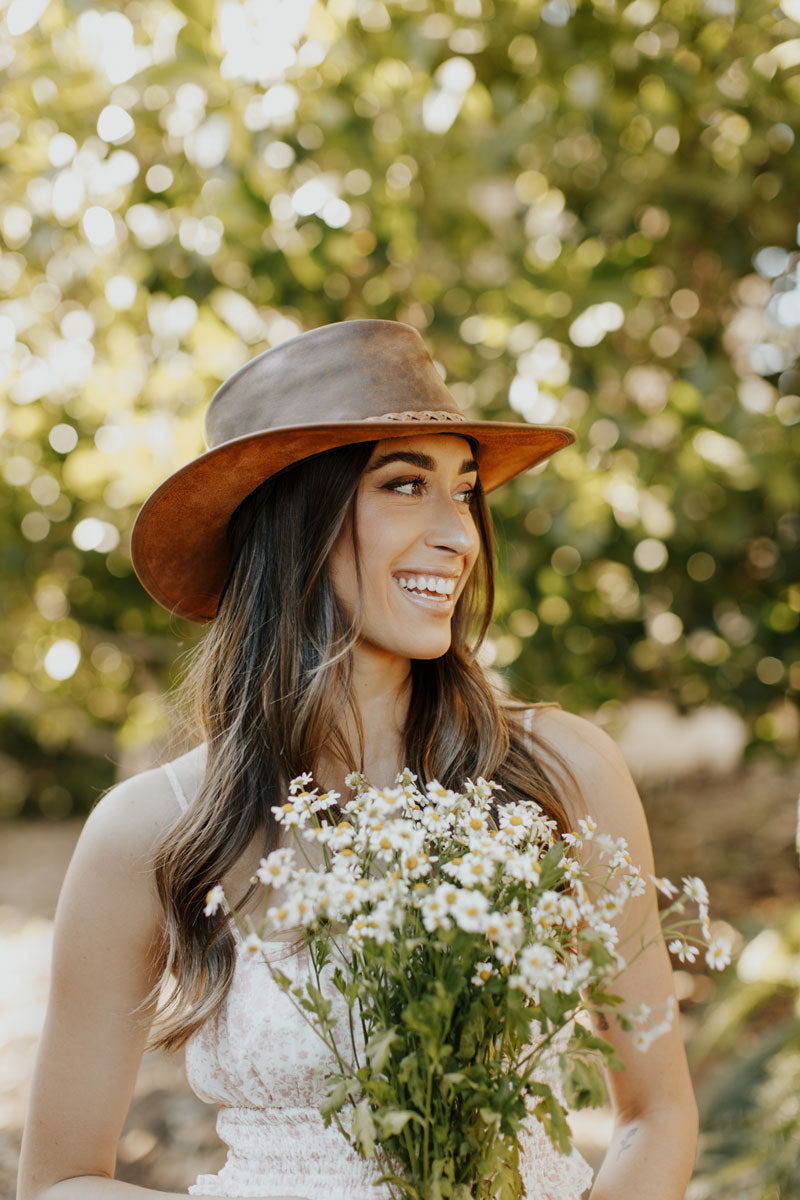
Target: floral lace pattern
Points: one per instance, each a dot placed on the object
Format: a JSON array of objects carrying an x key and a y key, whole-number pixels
[{"x": 265, "y": 1066}]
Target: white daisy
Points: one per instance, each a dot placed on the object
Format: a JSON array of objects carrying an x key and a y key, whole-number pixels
[
  {"x": 718, "y": 954},
  {"x": 470, "y": 911},
  {"x": 215, "y": 899},
  {"x": 253, "y": 944},
  {"x": 323, "y": 801},
  {"x": 522, "y": 867},
  {"x": 276, "y": 869},
  {"x": 483, "y": 973},
  {"x": 664, "y": 885},
  {"x": 471, "y": 870},
  {"x": 683, "y": 951},
  {"x": 695, "y": 889},
  {"x": 588, "y": 828}
]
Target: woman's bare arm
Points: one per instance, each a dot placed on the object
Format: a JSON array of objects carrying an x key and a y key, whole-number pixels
[
  {"x": 655, "y": 1139},
  {"x": 95, "y": 1188},
  {"x": 106, "y": 958}
]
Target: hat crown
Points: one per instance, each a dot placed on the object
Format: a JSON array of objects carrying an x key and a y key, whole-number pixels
[{"x": 350, "y": 371}]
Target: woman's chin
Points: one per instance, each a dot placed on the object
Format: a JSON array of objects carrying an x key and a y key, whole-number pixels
[
  {"x": 423, "y": 648},
  {"x": 428, "y": 650}
]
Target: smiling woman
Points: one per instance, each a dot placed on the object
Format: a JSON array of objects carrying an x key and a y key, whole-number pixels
[
  {"x": 415, "y": 546},
  {"x": 336, "y": 538}
]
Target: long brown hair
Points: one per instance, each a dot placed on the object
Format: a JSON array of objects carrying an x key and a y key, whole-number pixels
[{"x": 270, "y": 686}]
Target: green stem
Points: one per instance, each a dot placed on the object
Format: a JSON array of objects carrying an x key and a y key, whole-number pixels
[
  {"x": 428, "y": 1095},
  {"x": 328, "y": 1042},
  {"x": 301, "y": 848},
  {"x": 409, "y": 1145}
]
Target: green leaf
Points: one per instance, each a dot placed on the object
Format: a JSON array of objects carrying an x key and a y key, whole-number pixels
[
  {"x": 553, "y": 1005},
  {"x": 584, "y": 1086},
  {"x": 449, "y": 1081},
  {"x": 472, "y": 1030},
  {"x": 335, "y": 1098},
  {"x": 592, "y": 1041},
  {"x": 394, "y": 1121},
  {"x": 379, "y": 1046},
  {"x": 363, "y": 1129},
  {"x": 553, "y": 1118},
  {"x": 404, "y": 1185},
  {"x": 283, "y": 981}
]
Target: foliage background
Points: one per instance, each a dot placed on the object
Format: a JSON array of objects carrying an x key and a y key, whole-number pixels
[
  {"x": 589, "y": 209},
  {"x": 590, "y": 212}
]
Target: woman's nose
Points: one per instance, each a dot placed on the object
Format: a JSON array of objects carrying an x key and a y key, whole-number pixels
[{"x": 452, "y": 527}]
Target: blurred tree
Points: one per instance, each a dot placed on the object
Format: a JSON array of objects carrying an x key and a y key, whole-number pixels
[
  {"x": 588, "y": 210},
  {"x": 750, "y": 1146}
]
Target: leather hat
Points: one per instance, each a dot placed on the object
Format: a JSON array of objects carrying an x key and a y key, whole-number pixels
[{"x": 353, "y": 381}]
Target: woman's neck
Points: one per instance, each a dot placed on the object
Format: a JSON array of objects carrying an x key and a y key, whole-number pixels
[{"x": 381, "y": 690}]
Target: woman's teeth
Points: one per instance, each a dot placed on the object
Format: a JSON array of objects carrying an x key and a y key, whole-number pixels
[{"x": 434, "y": 585}]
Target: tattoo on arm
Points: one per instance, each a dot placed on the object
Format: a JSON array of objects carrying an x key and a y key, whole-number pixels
[
  {"x": 627, "y": 1141},
  {"x": 602, "y": 1021}
]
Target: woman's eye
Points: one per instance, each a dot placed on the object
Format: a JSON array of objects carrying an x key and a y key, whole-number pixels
[
  {"x": 416, "y": 487},
  {"x": 407, "y": 487}
]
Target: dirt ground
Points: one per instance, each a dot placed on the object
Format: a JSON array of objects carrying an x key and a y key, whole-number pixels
[{"x": 736, "y": 831}]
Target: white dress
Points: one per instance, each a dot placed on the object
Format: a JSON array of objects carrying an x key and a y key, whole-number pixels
[{"x": 264, "y": 1066}]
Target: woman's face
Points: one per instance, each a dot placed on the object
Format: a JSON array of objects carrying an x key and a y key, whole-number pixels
[{"x": 417, "y": 543}]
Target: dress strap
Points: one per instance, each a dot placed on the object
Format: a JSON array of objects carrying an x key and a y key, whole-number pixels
[
  {"x": 175, "y": 784},
  {"x": 527, "y": 720}
]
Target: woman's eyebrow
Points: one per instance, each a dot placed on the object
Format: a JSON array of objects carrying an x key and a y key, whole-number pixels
[{"x": 415, "y": 459}]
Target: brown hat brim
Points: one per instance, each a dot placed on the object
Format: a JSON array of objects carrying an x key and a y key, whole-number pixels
[{"x": 179, "y": 544}]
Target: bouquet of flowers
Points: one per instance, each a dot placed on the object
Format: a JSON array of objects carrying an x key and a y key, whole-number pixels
[{"x": 465, "y": 937}]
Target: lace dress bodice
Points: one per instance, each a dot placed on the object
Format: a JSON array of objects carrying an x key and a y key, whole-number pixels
[{"x": 264, "y": 1066}]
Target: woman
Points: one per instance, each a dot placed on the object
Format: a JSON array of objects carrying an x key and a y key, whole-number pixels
[{"x": 337, "y": 537}]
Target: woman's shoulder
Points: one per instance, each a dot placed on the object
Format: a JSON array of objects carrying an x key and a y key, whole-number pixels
[
  {"x": 583, "y": 743},
  {"x": 579, "y": 739},
  {"x": 110, "y": 883},
  {"x": 596, "y": 780},
  {"x": 132, "y": 818}
]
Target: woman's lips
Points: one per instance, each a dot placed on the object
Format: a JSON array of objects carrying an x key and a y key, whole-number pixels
[{"x": 440, "y": 606}]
